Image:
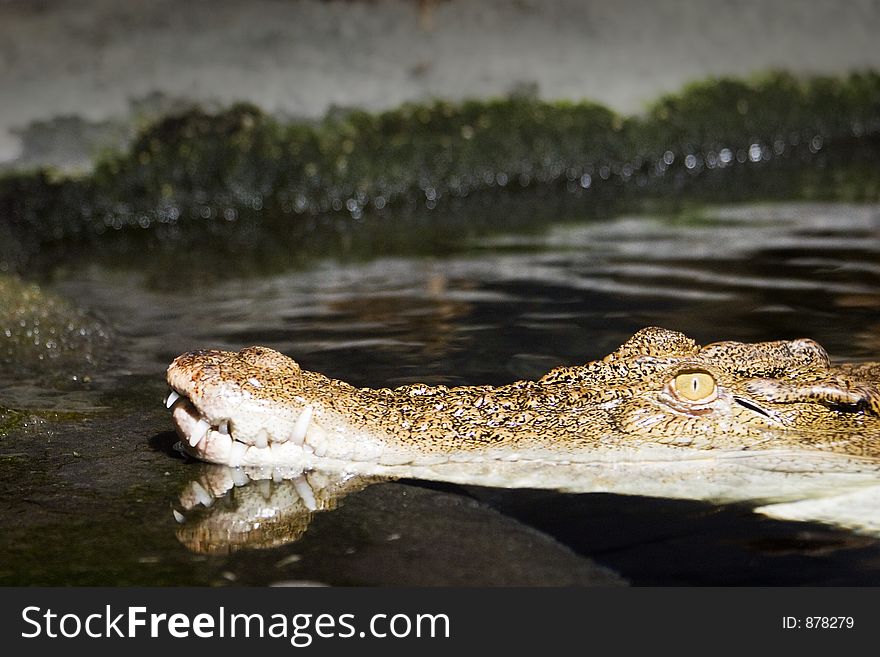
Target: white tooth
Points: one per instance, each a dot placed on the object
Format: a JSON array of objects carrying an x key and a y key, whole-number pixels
[
  {"x": 236, "y": 454},
  {"x": 240, "y": 478},
  {"x": 173, "y": 396},
  {"x": 302, "y": 425},
  {"x": 203, "y": 496},
  {"x": 316, "y": 440},
  {"x": 199, "y": 432},
  {"x": 219, "y": 448},
  {"x": 305, "y": 492},
  {"x": 223, "y": 427},
  {"x": 178, "y": 516},
  {"x": 222, "y": 481},
  {"x": 261, "y": 440},
  {"x": 265, "y": 488}
]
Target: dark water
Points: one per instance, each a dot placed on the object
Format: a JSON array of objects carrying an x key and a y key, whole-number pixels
[{"x": 102, "y": 498}]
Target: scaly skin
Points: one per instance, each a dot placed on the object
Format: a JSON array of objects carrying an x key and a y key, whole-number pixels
[{"x": 661, "y": 415}]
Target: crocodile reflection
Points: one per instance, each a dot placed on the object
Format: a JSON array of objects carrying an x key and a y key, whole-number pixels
[{"x": 223, "y": 510}]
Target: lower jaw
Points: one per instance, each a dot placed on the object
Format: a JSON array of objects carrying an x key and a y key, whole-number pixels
[{"x": 223, "y": 450}]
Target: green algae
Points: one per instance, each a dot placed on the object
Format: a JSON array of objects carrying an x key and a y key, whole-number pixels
[
  {"x": 9, "y": 420},
  {"x": 263, "y": 193},
  {"x": 768, "y": 108},
  {"x": 40, "y": 330},
  {"x": 45, "y": 338}
]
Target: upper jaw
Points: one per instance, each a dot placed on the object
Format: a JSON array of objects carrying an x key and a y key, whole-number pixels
[{"x": 198, "y": 437}]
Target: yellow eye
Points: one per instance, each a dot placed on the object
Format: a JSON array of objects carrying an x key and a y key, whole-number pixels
[{"x": 694, "y": 386}]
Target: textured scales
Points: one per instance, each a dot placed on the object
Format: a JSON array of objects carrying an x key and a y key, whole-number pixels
[{"x": 661, "y": 415}]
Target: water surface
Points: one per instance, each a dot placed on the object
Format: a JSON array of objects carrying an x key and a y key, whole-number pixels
[{"x": 100, "y": 497}]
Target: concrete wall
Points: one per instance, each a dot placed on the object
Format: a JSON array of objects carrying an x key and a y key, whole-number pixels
[{"x": 91, "y": 59}]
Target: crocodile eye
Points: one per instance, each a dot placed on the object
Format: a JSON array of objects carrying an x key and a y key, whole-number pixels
[{"x": 694, "y": 386}]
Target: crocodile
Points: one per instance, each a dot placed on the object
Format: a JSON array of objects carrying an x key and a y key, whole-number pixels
[{"x": 773, "y": 423}]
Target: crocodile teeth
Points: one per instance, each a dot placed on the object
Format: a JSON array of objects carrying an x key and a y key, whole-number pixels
[
  {"x": 306, "y": 494},
  {"x": 236, "y": 454},
  {"x": 240, "y": 478},
  {"x": 223, "y": 427},
  {"x": 302, "y": 425},
  {"x": 203, "y": 496},
  {"x": 316, "y": 439},
  {"x": 265, "y": 488},
  {"x": 178, "y": 516},
  {"x": 173, "y": 396},
  {"x": 261, "y": 440},
  {"x": 199, "y": 432}
]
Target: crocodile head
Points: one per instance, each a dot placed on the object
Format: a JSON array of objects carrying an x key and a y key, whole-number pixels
[
  {"x": 661, "y": 386},
  {"x": 655, "y": 416}
]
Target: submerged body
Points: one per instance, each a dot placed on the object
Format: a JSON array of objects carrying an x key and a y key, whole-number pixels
[{"x": 661, "y": 415}]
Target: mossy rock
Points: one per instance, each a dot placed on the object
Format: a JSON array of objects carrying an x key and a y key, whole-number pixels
[
  {"x": 41, "y": 331},
  {"x": 247, "y": 181}
]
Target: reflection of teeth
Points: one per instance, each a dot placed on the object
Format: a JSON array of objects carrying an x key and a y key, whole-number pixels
[
  {"x": 302, "y": 425},
  {"x": 173, "y": 396},
  {"x": 305, "y": 492},
  {"x": 223, "y": 427},
  {"x": 236, "y": 454},
  {"x": 178, "y": 516},
  {"x": 265, "y": 488},
  {"x": 199, "y": 432},
  {"x": 203, "y": 496}
]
